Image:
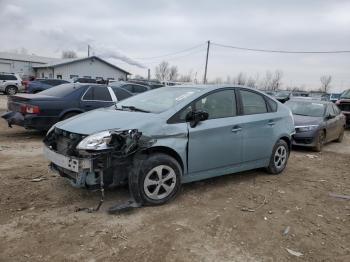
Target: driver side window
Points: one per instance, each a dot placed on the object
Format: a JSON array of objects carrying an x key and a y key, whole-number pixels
[{"x": 218, "y": 105}]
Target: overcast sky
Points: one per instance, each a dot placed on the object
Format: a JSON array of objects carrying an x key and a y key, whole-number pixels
[{"x": 135, "y": 29}]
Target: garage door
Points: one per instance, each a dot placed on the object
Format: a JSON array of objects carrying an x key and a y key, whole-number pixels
[{"x": 5, "y": 67}]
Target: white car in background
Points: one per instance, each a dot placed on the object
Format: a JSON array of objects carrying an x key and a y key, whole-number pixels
[{"x": 10, "y": 84}]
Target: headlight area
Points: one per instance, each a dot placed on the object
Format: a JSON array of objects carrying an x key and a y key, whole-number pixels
[
  {"x": 305, "y": 128},
  {"x": 110, "y": 153}
]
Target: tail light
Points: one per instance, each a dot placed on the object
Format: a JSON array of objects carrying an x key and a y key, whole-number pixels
[
  {"x": 25, "y": 83},
  {"x": 30, "y": 109}
]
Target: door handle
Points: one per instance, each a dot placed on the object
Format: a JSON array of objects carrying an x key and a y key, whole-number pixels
[
  {"x": 236, "y": 129},
  {"x": 271, "y": 123}
]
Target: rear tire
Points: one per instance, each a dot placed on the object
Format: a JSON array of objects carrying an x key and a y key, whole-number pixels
[
  {"x": 11, "y": 90},
  {"x": 320, "y": 141},
  {"x": 155, "y": 180},
  {"x": 279, "y": 158},
  {"x": 341, "y": 136}
]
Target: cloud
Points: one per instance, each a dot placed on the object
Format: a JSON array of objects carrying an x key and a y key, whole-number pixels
[{"x": 126, "y": 29}]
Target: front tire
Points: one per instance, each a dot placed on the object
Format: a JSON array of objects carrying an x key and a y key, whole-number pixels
[
  {"x": 279, "y": 158},
  {"x": 320, "y": 141},
  {"x": 341, "y": 136},
  {"x": 156, "y": 179}
]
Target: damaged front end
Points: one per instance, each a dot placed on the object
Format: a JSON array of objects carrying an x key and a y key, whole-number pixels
[{"x": 101, "y": 159}]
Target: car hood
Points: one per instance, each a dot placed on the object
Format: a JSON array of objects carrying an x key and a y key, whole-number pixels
[
  {"x": 106, "y": 119},
  {"x": 306, "y": 120}
]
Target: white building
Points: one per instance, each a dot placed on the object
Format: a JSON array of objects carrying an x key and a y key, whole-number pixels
[
  {"x": 88, "y": 67},
  {"x": 66, "y": 69},
  {"x": 21, "y": 64}
]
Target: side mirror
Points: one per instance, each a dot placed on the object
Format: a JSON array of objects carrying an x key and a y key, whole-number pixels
[{"x": 194, "y": 117}]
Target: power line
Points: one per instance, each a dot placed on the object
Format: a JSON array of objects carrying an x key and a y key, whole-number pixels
[
  {"x": 281, "y": 51},
  {"x": 171, "y": 54},
  {"x": 176, "y": 57}
]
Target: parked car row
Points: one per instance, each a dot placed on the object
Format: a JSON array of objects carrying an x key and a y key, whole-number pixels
[{"x": 163, "y": 137}]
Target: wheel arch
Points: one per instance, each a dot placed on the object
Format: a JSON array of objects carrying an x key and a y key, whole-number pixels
[
  {"x": 168, "y": 151},
  {"x": 68, "y": 111},
  {"x": 288, "y": 140}
]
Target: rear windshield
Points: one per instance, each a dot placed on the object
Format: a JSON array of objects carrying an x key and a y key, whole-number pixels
[{"x": 60, "y": 90}]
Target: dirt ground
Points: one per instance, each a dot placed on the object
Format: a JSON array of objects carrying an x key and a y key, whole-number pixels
[{"x": 208, "y": 221}]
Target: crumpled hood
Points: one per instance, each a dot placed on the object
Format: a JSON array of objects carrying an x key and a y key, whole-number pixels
[
  {"x": 106, "y": 119},
  {"x": 306, "y": 120}
]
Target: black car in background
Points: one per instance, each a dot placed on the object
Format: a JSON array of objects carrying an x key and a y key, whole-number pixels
[
  {"x": 316, "y": 123},
  {"x": 39, "y": 85},
  {"x": 40, "y": 111},
  {"x": 282, "y": 96},
  {"x": 131, "y": 87}
]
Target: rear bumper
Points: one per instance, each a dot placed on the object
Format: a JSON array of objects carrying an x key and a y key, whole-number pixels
[{"x": 29, "y": 121}]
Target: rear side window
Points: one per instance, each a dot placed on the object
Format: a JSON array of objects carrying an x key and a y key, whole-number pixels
[
  {"x": 99, "y": 93},
  {"x": 253, "y": 103},
  {"x": 120, "y": 93},
  {"x": 8, "y": 77}
]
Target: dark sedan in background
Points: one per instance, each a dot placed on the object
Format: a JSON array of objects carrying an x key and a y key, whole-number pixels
[
  {"x": 316, "y": 123},
  {"x": 39, "y": 85},
  {"x": 41, "y": 111}
]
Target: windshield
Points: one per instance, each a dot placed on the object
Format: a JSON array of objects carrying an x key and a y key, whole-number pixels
[
  {"x": 60, "y": 90},
  {"x": 158, "y": 100},
  {"x": 306, "y": 108},
  {"x": 346, "y": 94}
]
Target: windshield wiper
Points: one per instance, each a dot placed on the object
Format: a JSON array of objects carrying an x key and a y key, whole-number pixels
[
  {"x": 117, "y": 108},
  {"x": 132, "y": 108}
]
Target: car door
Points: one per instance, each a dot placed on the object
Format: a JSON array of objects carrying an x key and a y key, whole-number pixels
[
  {"x": 257, "y": 125},
  {"x": 331, "y": 123},
  {"x": 216, "y": 142},
  {"x": 96, "y": 97}
]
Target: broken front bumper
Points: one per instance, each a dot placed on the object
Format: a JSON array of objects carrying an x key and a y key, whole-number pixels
[
  {"x": 13, "y": 118},
  {"x": 79, "y": 171},
  {"x": 70, "y": 163}
]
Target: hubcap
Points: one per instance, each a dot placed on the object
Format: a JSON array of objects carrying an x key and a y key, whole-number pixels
[
  {"x": 159, "y": 182},
  {"x": 12, "y": 91},
  {"x": 280, "y": 157}
]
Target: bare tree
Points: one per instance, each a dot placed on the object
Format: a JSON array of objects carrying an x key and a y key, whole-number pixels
[
  {"x": 325, "y": 83},
  {"x": 251, "y": 82},
  {"x": 240, "y": 79},
  {"x": 266, "y": 82},
  {"x": 173, "y": 73},
  {"x": 162, "y": 71},
  {"x": 186, "y": 77},
  {"x": 276, "y": 80},
  {"x": 69, "y": 54}
]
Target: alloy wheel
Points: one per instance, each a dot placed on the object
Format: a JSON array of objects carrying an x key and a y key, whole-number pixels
[
  {"x": 280, "y": 157},
  {"x": 159, "y": 182}
]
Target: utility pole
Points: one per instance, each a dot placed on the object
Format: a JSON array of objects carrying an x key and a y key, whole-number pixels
[
  {"x": 206, "y": 64},
  {"x": 88, "y": 50},
  {"x": 149, "y": 74}
]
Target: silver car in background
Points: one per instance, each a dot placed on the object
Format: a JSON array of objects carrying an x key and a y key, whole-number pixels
[{"x": 159, "y": 139}]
